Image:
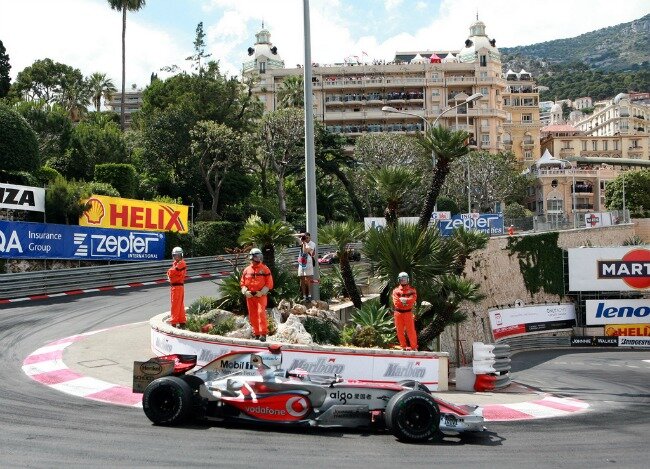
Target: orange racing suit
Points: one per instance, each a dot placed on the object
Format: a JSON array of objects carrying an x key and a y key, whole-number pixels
[
  {"x": 255, "y": 277},
  {"x": 404, "y": 298},
  {"x": 176, "y": 276}
]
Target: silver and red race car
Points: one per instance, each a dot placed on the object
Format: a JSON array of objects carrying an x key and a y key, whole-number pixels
[{"x": 252, "y": 387}]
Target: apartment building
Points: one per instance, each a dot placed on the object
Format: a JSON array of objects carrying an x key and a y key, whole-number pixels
[
  {"x": 132, "y": 103},
  {"x": 619, "y": 116},
  {"x": 348, "y": 97}
]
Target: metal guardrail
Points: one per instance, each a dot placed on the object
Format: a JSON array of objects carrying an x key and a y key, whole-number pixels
[
  {"x": 18, "y": 285},
  {"x": 535, "y": 342}
]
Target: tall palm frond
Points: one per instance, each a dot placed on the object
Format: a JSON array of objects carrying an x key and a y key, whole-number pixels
[
  {"x": 291, "y": 92},
  {"x": 266, "y": 236},
  {"x": 101, "y": 87},
  {"x": 392, "y": 184}
]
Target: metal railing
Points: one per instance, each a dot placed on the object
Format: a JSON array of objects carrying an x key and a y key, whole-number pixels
[{"x": 43, "y": 282}]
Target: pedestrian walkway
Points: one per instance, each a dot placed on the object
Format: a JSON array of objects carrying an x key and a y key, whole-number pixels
[{"x": 98, "y": 365}]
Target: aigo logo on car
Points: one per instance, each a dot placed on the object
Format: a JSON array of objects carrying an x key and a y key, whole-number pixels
[{"x": 278, "y": 408}]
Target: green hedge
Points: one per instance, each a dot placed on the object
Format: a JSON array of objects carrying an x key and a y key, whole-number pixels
[
  {"x": 121, "y": 176},
  {"x": 18, "y": 142},
  {"x": 211, "y": 238}
]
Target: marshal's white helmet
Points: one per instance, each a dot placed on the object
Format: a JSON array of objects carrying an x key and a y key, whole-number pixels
[
  {"x": 402, "y": 275},
  {"x": 177, "y": 251},
  {"x": 255, "y": 252}
]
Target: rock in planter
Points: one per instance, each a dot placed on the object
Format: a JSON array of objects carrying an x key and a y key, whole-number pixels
[
  {"x": 216, "y": 316},
  {"x": 246, "y": 332},
  {"x": 292, "y": 332},
  {"x": 276, "y": 315}
]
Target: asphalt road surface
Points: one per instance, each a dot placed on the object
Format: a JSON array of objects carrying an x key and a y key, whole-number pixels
[{"x": 41, "y": 427}]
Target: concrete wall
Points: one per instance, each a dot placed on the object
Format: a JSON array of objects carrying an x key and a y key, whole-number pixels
[
  {"x": 642, "y": 228},
  {"x": 501, "y": 281}
]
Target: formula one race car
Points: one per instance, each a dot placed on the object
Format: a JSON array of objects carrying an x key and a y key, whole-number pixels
[{"x": 251, "y": 387}]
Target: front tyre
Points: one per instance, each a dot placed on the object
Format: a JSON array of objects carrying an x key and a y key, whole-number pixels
[
  {"x": 413, "y": 416},
  {"x": 167, "y": 401}
]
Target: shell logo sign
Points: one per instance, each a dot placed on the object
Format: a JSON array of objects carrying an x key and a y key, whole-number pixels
[{"x": 131, "y": 214}]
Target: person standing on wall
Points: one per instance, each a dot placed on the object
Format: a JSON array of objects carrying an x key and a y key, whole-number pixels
[
  {"x": 256, "y": 282},
  {"x": 176, "y": 276},
  {"x": 404, "y": 299},
  {"x": 306, "y": 263}
]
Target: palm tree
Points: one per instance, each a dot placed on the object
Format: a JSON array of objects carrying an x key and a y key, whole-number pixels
[
  {"x": 392, "y": 183},
  {"x": 101, "y": 87},
  {"x": 447, "y": 145},
  {"x": 341, "y": 234},
  {"x": 123, "y": 6},
  {"x": 266, "y": 236},
  {"x": 291, "y": 92}
]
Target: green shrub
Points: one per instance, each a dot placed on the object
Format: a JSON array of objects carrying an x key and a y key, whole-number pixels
[
  {"x": 184, "y": 240},
  {"x": 21, "y": 178},
  {"x": 18, "y": 142},
  {"x": 223, "y": 327},
  {"x": 213, "y": 237},
  {"x": 328, "y": 287},
  {"x": 323, "y": 331},
  {"x": 45, "y": 174},
  {"x": 202, "y": 305},
  {"x": 121, "y": 176},
  {"x": 367, "y": 337},
  {"x": 101, "y": 188},
  {"x": 272, "y": 325},
  {"x": 372, "y": 314},
  {"x": 347, "y": 334},
  {"x": 63, "y": 201},
  {"x": 230, "y": 297}
]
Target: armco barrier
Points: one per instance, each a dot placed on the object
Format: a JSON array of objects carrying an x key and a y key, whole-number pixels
[
  {"x": 491, "y": 366},
  {"x": 44, "y": 282}
]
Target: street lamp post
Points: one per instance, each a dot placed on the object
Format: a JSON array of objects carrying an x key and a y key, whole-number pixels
[
  {"x": 310, "y": 155},
  {"x": 465, "y": 102}
]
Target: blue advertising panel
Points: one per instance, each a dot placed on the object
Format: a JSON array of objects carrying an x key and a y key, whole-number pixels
[
  {"x": 489, "y": 223},
  {"x": 20, "y": 240}
]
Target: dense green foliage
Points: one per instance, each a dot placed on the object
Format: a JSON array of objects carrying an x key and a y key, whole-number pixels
[
  {"x": 18, "y": 143},
  {"x": 540, "y": 262},
  {"x": 63, "y": 201},
  {"x": 322, "y": 331},
  {"x": 5, "y": 67},
  {"x": 122, "y": 177},
  {"x": 637, "y": 193},
  {"x": 213, "y": 237},
  {"x": 569, "y": 83}
]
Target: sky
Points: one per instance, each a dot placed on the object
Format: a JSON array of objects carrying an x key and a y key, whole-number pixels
[{"x": 87, "y": 34}]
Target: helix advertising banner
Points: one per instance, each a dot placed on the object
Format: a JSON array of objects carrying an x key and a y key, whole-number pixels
[
  {"x": 14, "y": 197},
  {"x": 488, "y": 223},
  {"x": 131, "y": 214},
  {"x": 20, "y": 240},
  {"x": 609, "y": 269},
  {"x": 631, "y": 330}
]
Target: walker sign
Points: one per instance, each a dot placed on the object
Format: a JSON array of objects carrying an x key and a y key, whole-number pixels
[
  {"x": 22, "y": 198},
  {"x": 609, "y": 269},
  {"x": 19, "y": 240},
  {"x": 488, "y": 223}
]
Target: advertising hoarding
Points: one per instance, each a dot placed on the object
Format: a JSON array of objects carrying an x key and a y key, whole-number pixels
[
  {"x": 131, "y": 214},
  {"x": 488, "y": 223},
  {"x": 507, "y": 322},
  {"x": 13, "y": 197},
  {"x": 609, "y": 269},
  {"x": 630, "y": 330},
  {"x": 20, "y": 240},
  {"x": 603, "y": 312}
]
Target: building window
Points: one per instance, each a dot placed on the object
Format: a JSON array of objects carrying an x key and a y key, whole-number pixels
[
  {"x": 584, "y": 145},
  {"x": 528, "y": 155},
  {"x": 594, "y": 145},
  {"x": 483, "y": 60},
  {"x": 566, "y": 144},
  {"x": 262, "y": 67},
  {"x": 435, "y": 93},
  {"x": 484, "y": 91},
  {"x": 483, "y": 74},
  {"x": 635, "y": 144},
  {"x": 605, "y": 145},
  {"x": 526, "y": 118},
  {"x": 485, "y": 139},
  {"x": 555, "y": 205},
  {"x": 615, "y": 144}
]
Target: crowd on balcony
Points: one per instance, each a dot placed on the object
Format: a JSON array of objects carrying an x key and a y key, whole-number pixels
[
  {"x": 392, "y": 96},
  {"x": 362, "y": 128}
]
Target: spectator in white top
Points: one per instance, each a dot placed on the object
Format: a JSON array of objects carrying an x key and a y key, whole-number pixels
[{"x": 306, "y": 262}]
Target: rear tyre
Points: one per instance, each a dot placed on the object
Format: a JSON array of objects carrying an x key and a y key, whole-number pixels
[
  {"x": 167, "y": 401},
  {"x": 413, "y": 416},
  {"x": 409, "y": 383}
]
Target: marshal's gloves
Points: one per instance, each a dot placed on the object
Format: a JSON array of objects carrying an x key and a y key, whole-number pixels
[
  {"x": 403, "y": 300},
  {"x": 246, "y": 292},
  {"x": 263, "y": 291}
]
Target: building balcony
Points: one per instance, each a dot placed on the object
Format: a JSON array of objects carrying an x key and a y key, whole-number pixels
[
  {"x": 567, "y": 151},
  {"x": 527, "y": 145},
  {"x": 582, "y": 207},
  {"x": 507, "y": 145}
]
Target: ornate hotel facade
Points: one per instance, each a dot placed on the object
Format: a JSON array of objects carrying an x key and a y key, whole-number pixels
[{"x": 348, "y": 98}]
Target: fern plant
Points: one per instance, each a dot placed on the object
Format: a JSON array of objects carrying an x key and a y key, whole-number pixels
[
  {"x": 373, "y": 314},
  {"x": 323, "y": 331}
]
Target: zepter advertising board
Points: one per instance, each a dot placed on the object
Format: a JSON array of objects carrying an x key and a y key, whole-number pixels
[
  {"x": 609, "y": 269},
  {"x": 131, "y": 214},
  {"x": 507, "y": 322}
]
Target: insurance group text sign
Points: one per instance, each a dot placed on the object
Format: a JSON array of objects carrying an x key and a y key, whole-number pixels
[{"x": 20, "y": 240}]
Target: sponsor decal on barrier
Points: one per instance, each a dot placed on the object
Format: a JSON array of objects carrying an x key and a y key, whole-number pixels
[
  {"x": 602, "y": 312},
  {"x": 13, "y": 197},
  {"x": 532, "y": 318},
  {"x": 632, "y": 330},
  {"x": 322, "y": 365},
  {"x": 633, "y": 341},
  {"x": 488, "y": 223},
  {"x": 595, "y": 341},
  {"x": 21, "y": 240},
  {"x": 609, "y": 269},
  {"x": 131, "y": 214},
  {"x": 410, "y": 370}
]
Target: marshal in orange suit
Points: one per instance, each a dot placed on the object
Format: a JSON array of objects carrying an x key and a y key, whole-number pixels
[
  {"x": 176, "y": 276},
  {"x": 404, "y": 299},
  {"x": 256, "y": 282}
]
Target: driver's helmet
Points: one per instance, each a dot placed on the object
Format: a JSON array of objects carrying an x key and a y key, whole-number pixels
[
  {"x": 403, "y": 278},
  {"x": 177, "y": 251},
  {"x": 255, "y": 255}
]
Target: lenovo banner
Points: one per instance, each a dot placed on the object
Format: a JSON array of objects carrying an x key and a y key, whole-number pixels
[
  {"x": 602, "y": 312},
  {"x": 534, "y": 318},
  {"x": 22, "y": 198},
  {"x": 488, "y": 223},
  {"x": 131, "y": 214},
  {"x": 609, "y": 269},
  {"x": 19, "y": 240}
]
